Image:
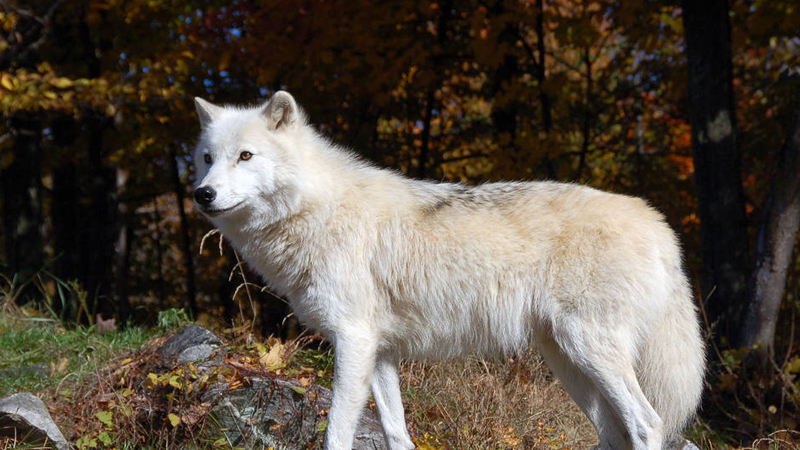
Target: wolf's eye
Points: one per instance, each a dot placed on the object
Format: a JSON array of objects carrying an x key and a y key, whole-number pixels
[
  {"x": 207, "y": 158},
  {"x": 245, "y": 155}
]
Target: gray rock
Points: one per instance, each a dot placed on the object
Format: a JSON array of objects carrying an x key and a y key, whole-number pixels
[
  {"x": 283, "y": 415},
  {"x": 193, "y": 343},
  {"x": 25, "y": 417}
]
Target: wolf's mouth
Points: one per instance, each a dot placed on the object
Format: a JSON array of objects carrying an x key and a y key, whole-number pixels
[{"x": 210, "y": 212}]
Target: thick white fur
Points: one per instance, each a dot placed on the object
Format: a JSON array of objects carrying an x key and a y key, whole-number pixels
[{"x": 388, "y": 268}]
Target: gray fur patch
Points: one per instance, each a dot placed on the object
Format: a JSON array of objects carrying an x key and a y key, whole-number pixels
[{"x": 445, "y": 195}]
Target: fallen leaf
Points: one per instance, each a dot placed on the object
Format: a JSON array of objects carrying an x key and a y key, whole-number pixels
[
  {"x": 107, "y": 417},
  {"x": 272, "y": 359},
  {"x": 299, "y": 390}
]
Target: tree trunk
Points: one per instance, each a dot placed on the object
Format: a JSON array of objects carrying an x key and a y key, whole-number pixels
[
  {"x": 505, "y": 110},
  {"x": 66, "y": 219},
  {"x": 438, "y": 69},
  {"x": 122, "y": 250},
  {"x": 424, "y": 151},
  {"x": 22, "y": 206},
  {"x": 586, "y": 129},
  {"x": 504, "y": 116},
  {"x": 544, "y": 99},
  {"x": 66, "y": 210},
  {"x": 98, "y": 244},
  {"x": 186, "y": 239},
  {"x": 773, "y": 252},
  {"x": 721, "y": 205}
]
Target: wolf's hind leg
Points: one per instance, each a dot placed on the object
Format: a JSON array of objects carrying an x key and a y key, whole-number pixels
[
  {"x": 603, "y": 357},
  {"x": 605, "y": 420},
  {"x": 386, "y": 391}
]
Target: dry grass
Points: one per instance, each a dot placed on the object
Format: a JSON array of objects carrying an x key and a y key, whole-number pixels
[{"x": 478, "y": 404}]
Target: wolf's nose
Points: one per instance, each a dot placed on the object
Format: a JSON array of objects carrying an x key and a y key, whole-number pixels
[{"x": 204, "y": 195}]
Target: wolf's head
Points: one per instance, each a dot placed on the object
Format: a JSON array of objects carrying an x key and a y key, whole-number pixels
[{"x": 247, "y": 161}]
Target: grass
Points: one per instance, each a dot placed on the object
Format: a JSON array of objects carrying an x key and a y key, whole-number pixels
[
  {"x": 41, "y": 354},
  {"x": 477, "y": 404}
]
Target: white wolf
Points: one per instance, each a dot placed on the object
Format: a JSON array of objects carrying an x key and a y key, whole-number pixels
[{"x": 388, "y": 267}]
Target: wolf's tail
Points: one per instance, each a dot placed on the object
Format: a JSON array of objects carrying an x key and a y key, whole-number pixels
[{"x": 672, "y": 364}]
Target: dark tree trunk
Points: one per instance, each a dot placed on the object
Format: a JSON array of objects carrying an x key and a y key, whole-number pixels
[
  {"x": 426, "y": 136},
  {"x": 98, "y": 244},
  {"x": 721, "y": 206},
  {"x": 504, "y": 114},
  {"x": 773, "y": 251},
  {"x": 186, "y": 240},
  {"x": 66, "y": 209},
  {"x": 122, "y": 251},
  {"x": 505, "y": 110},
  {"x": 544, "y": 99},
  {"x": 438, "y": 69},
  {"x": 65, "y": 214},
  {"x": 158, "y": 240},
  {"x": 22, "y": 206},
  {"x": 123, "y": 256},
  {"x": 586, "y": 128}
]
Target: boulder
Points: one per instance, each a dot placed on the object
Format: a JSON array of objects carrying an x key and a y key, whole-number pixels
[
  {"x": 193, "y": 343},
  {"x": 284, "y": 415},
  {"x": 26, "y": 418}
]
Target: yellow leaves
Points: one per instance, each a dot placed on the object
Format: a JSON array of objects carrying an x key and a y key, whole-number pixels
[
  {"x": 175, "y": 382},
  {"x": 61, "y": 82},
  {"x": 7, "y": 82},
  {"x": 273, "y": 359},
  {"x": 151, "y": 381},
  {"x": 429, "y": 442},
  {"x": 106, "y": 417},
  {"x": 8, "y": 21},
  {"x": 174, "y": 419},
  {"x": 793, "y": 366}
]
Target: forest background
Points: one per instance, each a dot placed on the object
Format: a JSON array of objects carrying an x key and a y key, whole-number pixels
[{"x": 692, "y": 106}]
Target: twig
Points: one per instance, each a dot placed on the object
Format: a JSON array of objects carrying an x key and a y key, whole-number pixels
[
  {"x": 209, "y": 234},
  {"x": 247, "y": 290}
]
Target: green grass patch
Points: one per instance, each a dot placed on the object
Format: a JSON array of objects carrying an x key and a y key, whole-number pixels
[{"x": 38, "y": 353}]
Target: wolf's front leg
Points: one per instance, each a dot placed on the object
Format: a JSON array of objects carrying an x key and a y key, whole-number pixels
[
  {"x": 386, "y": 391},
  {"x": 353, "y": 366}
]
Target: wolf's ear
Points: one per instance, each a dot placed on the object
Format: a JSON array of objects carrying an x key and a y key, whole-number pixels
[
  {"x": 208, "y": 112},
  {"x": 281, "y": 111}
]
